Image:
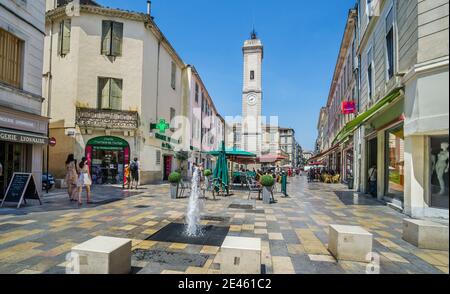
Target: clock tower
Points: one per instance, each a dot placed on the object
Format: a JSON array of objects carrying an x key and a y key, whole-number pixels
[{"x": 252, "y": 94}]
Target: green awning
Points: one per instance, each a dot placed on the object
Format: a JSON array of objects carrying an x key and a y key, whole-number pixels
[
  {"x": 365, "y": 116},
  {"x": 233, "y": 152}
]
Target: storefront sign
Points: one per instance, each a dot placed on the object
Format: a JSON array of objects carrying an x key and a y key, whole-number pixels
[
  {"x": 15, "y": 121},
  {"x": 11, "y": 136},
  {"x": 106, "y": 119},
  {"x": 108, "y": 142},
  {"x": 348, "y": 107}
]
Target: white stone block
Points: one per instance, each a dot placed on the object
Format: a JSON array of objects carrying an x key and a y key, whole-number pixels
[
  {"x": 351, "y": 243},
  {"x": 103, "y": 255},
  {"x": 240, "y": 255},
  {"x": 425, "y": 234}
]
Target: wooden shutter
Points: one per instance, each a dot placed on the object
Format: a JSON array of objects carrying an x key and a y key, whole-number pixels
[
  {"x": 174, "y": 75},
  {"x": 104, "y": 93},
  {"x": 117, "y": 37},
  {"x": 66, "y": 29},
  {"x": 116, "y": 94},
  {"x": 106, "y": 37},
  {"x": 11, "y": 59},
  {"x": 60, "y": 37}
]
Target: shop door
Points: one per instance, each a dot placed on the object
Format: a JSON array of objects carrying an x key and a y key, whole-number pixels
[
  {"x": 372, "y": 162},
  {"x": 167, "y": 167}
]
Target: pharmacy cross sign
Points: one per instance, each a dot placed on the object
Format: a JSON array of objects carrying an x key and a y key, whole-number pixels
[{"x": 162, "y": 126}]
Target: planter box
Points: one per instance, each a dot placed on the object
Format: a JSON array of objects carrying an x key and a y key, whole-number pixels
[
  {"x": 267, "y": 195},
  {"x": 174, "y": 191}
]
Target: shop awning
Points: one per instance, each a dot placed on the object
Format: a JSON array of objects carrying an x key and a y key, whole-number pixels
[
  {"x": 319, "y": 156},
  {"x": 365, "y": 116},
  {"x": 271, "y": 158},
  {"x": 22, "y": 137}
]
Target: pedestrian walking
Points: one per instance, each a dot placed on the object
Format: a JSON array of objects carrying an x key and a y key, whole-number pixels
[
  {"x": 84, "y": 180},
  {"x": 134, "y": 169},
  {"x": 127, "y": 176},
  {"x": 71, "y": 177}
]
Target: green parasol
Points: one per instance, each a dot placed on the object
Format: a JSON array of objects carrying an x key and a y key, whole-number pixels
[{"x": 221, "y": 181}]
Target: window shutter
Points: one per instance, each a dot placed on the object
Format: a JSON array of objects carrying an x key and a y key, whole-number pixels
[
  {"x": 116, "y": 94},
  {"x": 117, "y": 37},
  {"x": 60, "y": 37},
  {"x": 66, "y": 29},
  {"x": 104, "y": 91},
  {"x": 389, "y": 20},
  {"x": 106, "y": 37},
  {"x": 174, "y": 75}
]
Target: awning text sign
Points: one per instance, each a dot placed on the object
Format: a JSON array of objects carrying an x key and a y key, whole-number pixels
[{"x": 22, "y": 138}]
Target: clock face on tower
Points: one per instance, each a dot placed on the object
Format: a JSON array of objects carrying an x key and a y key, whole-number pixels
[{"x": 251, "y": 99}]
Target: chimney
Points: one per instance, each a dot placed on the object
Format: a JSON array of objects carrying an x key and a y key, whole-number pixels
[{"x": 149, "y": 7}]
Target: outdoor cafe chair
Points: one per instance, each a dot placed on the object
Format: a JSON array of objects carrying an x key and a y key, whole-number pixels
[{"x": 254, "y": 187}]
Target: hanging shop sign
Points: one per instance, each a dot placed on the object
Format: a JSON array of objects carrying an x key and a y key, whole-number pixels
[
  {"x": 161, "y": 126},
  {"x": 348, "y": 107}
]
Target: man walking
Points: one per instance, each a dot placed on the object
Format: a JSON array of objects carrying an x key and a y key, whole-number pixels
[{"x": 134, "y": 170}]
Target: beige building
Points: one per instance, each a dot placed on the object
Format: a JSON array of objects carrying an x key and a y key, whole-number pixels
[
  {"x": 23, "y": 131},
  {"x": 206, "y": 126},
  {"x": 115, "y": 86}
]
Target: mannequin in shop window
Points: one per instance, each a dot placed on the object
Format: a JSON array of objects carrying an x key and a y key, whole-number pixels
[{"x": 441, "y": 166}]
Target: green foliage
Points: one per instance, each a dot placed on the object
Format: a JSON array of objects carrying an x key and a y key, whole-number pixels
[
  {"x": 182, "y": 155},
  {"x": 175, "y": 178},
  {"x": 207, "y": 173},
  {"x": 267, "y": 181}
]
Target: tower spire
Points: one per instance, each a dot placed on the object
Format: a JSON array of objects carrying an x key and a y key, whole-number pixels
[{"x": 254, "y": 34}]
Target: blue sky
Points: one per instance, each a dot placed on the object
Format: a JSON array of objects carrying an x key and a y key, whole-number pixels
[{"x": 301, "y": 40}]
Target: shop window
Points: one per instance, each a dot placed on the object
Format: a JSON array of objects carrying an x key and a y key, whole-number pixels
[
  {"x": 395, "y": 162},
  {"x": 439, "y": 177},
  {"x": 110, "y": 93}
]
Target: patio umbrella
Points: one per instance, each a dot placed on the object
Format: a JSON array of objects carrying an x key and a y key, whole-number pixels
[{"x": 221, "y": 171}]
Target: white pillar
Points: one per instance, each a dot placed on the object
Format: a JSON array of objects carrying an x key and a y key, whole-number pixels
[
  {"x": 37, "y": 165},
  {"x": 415, "y": 176}
]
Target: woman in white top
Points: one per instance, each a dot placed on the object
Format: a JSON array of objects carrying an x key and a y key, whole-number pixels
[{"x": 84, "y": 180}]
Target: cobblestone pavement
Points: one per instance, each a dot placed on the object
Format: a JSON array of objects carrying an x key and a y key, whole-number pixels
[{"x": 294, "y": 231}]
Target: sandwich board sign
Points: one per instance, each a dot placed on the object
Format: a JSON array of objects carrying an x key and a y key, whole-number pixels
[{"x": 21, "y": 188}]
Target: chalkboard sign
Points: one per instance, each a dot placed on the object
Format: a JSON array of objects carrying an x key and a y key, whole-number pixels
[{"x": 21, "y": 187}]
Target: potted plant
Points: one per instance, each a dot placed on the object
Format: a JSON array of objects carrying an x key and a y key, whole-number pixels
[
  {"x": 207, "y": 173},
  {"x": 174, "y": 179},
  {"x": 267, "y": 182}
]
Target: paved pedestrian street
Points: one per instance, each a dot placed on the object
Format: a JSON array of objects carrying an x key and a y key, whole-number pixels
[{"x": 294, "y": 232}]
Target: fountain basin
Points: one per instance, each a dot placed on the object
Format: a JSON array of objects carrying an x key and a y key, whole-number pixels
[{"x": 176, "y": 233}]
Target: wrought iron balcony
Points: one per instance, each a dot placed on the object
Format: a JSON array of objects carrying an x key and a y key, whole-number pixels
[{"x": 107, "y": 119}]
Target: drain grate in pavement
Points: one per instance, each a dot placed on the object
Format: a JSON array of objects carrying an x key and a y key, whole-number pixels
[
  {"x": 241, "y": 206},
  {"x": 142, "y": 206},
  {"x": 175, "y": 233},
  {"x": 257, "y": 211},
  {"x": 170, "y": 258},
  {"x": 215, "y": 218}
]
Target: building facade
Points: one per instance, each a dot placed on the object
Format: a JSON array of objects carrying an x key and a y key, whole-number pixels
[
  {"x": 23, "y": 130},
  {"x": 400, "y": 132},
  {"x": 207, "y": 127},
  {"x": 115, "y": 87},
  {"x": 288, "y": 144}
]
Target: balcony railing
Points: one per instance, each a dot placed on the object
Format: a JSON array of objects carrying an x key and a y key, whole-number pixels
[{"x": 107, "y": 119}]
